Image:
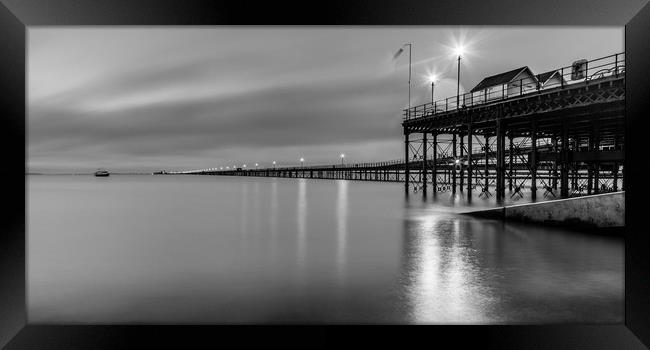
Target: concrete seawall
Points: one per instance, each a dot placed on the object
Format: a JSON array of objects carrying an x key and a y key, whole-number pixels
[{"x": 602, "y": 210}]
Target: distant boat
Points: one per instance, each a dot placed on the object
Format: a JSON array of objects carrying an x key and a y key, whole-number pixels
[{"x": 102, "y": 172}]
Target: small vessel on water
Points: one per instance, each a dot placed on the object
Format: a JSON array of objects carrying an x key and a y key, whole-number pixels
[{"x": 102, "y": 172}]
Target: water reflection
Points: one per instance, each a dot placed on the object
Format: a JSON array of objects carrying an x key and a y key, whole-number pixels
[
  {"x": 301, "y": 219},
  {"x": 255, "y": 215},
  {"x": 445, "y": 285},
  {"x": 342, "y": 228},
  {"x": 244, "y": 217},
  {"x": 300, "y": 250},
  {"x": 462, "y": 270},
  {"x": 273, "y": 218}
]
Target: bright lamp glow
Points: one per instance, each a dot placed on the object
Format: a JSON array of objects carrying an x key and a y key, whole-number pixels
[{"x": 459, "y": 50}]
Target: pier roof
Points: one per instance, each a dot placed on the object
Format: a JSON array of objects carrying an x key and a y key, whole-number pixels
[
  {"x": 544, "y": 77},
  {"x": 500, "y": 79}
]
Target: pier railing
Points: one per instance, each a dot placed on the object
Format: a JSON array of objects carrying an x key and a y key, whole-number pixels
[
  {"x": 582, "y": 71},
  {"x": 350, "y": 166}
]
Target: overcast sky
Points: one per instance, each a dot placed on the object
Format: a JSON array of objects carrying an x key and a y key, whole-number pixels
[{"x": 145, "y": 99}]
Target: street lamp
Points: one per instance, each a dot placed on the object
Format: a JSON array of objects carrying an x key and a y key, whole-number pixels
[
  {"x": 399, "y": 52},
  {"x": 459, "y": 51},
  {"x": 342, "y": 156},
  {"x": 432, "y": 79},
  {"x": 457, "y": 164}
]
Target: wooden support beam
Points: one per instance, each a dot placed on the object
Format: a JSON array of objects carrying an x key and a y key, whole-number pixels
[
  {"x": 454, "y": 156},
  {"x": 487, "y": 163},
  {"x": 500, "y": 169},
  {"x": 564, "y": 182},
  {"x": 533, "y": 161},
  {"x": 590, "y": 165},
  {"x": 596, "y": 164},
  {"x": 615, "y": 168},
  {"x": 425, "y": 145},
  {"x": 555, "y": 150},
  {"x": 406, "y": 161},
  {"x": 510, "y": 160},
  {"x": 462, "y": 154},
  {"x": 434, "y": 176},
  {"x": 574, "y": 180},
  {"x": 469, "y": 159}
]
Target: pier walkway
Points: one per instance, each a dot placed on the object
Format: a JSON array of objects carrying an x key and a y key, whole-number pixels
[{"x": 564, "y": 135}]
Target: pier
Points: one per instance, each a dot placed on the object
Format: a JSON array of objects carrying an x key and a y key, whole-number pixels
[{"x": 561, "y": 132}]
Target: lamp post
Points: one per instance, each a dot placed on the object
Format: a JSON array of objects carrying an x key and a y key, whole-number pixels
[
  {"x": 342, "y": 156},
  {"x": 433, "y": 86},
  {"x": 399, "y": 52},
  {"x": 459, "y": 52},
  {"x": 432, "y": 79}
]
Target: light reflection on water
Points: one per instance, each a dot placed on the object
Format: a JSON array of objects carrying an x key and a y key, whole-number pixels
[
  {"x": 176, "y": 249},
  {"x": 302, "y": 221},
  {"x": 341, "y": 228},
  {"x": 445, "y": 284}
]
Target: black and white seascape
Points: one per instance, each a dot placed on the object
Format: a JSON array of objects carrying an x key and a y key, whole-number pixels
[{"x": 258, "y": 175}]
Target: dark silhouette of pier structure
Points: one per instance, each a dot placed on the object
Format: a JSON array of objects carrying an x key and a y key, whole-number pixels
[{"x": 558, "y": 134}]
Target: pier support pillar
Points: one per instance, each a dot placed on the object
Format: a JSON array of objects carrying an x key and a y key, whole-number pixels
[
  {"x": 425, "y": 145},
  {"x": 487, "y": 161},
  {"x": 574, "y": 180},
  {"x": 469, "y": 159},
  {"x": 406, "y": 161},
  {"x": 555, "y": 150},
  {"x": 454, "y": 156},
  {"x": 533, "y": 162},
  {"x": 434, "y": 174},
  {"x": 564, "y": 181},
  {"x": 615, "y": 168},
  {"x": 590, "y": 166},
  {"x": 500, "y": 161},
  {"x": 510, "y": 159},
  {"x": 462, "y": 155},
  {"x": 596, "y": 164}
]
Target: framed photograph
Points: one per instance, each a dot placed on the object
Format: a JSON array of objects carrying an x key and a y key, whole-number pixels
[{"x": 457, "y": 173}]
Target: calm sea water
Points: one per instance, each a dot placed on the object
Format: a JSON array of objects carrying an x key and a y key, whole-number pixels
[{"x": 196, "y": 249}]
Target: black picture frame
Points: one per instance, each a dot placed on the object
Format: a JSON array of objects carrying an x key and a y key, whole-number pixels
[{"x": 16, "y": 15}]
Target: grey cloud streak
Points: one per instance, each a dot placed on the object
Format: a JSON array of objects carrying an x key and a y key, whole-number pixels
[{"x": 337, "y": 113}]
